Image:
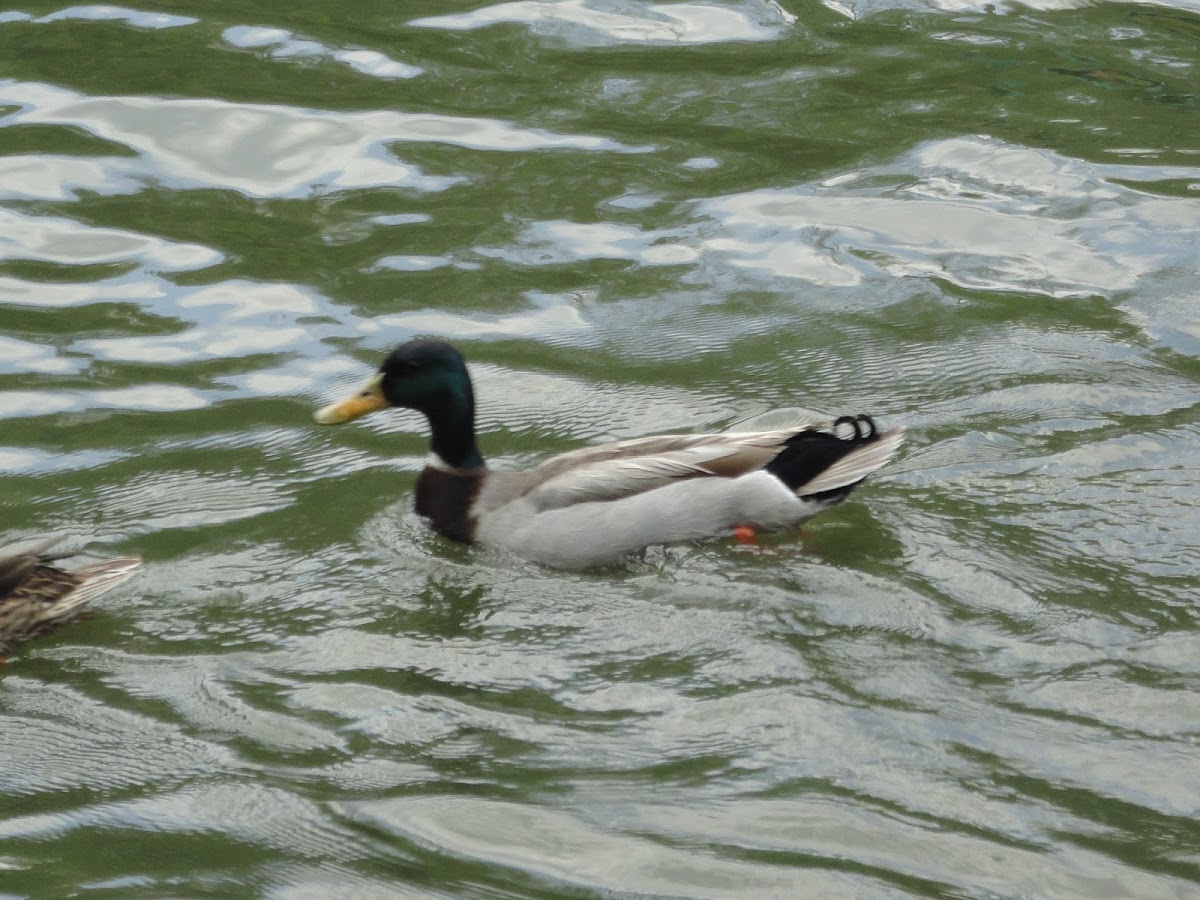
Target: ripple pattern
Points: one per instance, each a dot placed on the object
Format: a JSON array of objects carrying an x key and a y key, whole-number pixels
[{"x": 976, "y": 679}]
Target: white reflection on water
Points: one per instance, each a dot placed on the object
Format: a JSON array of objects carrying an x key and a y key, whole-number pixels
[
  {"x": 977, "y": 212},
  {"x": 258, "y": 814},
  {"x": 147, "y": 397},
  {"x": 565, "y": 848},
  {"x": 46, "y": 176},
  {"x": 22, "y": 356},
  {"x": 822, "y": 825},
  {"x": 26, "y": 461},
  {"x": 284, "y": 44},
  {"x": 189, "y": 499},
  {"x": 559, "y": 242},
  {"x": 49, "y": 239},
  {"x": 239, "y": 299},
  {"x": 411, "y": 263},
  {"x": 862, "y": 9},
  {"x": 119, "y": 748},
  {"x": 230, "y": 319},
  {"x": 21, "y": 292},
  {"x": 936, "y": 689},
  {"x": 270, "y": 151},
  {"x": 589, "y": 22},
  {"x": 196, "y": 343},
  {"x": 104, "y": 13},
  {"x": 552, "y": 317}
]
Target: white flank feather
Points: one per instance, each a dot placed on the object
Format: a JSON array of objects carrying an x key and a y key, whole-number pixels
[{"x": 597, "y": 533}]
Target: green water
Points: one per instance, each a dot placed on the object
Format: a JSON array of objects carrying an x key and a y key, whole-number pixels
[{"x": 978, "y": 678}]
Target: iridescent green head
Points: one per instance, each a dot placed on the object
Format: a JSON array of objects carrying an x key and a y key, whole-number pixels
[{"x": 428, "y": 376}]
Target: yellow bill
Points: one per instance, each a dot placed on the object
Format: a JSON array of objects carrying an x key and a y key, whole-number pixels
[{"x": 367, "y": 400}]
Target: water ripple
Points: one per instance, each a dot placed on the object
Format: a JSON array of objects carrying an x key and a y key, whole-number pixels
[
  {"x": 980, "y": 214},
  {"x": 283, "y": 44},
  {"x": 975, "y": 678},
  {"x": 586, "y": 23},
  {"x": 274, "y": 151},
  {"x": 57, "y": 739},
  {"x": 104, "y": 13},
  {"x": 562, "y": 850},
  {"x": 57, "y": 240}
]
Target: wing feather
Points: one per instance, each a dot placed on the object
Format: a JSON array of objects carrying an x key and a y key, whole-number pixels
[
  {"x": 14, "y": 569},
  {"x": 626, "y": 468}
]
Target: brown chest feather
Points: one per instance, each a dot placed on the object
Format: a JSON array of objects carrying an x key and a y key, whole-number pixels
[{"x": 445, "y": 499}]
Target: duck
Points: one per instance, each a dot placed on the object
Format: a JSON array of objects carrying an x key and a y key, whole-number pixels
[
  {"x": 597, "y": 505},
  {"x": 37, "y": 597}
]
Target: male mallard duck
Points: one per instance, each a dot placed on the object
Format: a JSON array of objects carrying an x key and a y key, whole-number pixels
[
  {"x": 36, "y": 597},
  {"x": 588, "y": 507}
]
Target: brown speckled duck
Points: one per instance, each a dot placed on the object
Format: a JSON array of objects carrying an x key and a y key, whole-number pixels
[
  {"x": 592, "y": 506},
  {"x": 37, "y": 597}
]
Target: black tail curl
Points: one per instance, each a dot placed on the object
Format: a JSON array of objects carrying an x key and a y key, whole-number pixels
[
  {"x": 864, "y": 427},
  {"x": 809, "y": 453}
]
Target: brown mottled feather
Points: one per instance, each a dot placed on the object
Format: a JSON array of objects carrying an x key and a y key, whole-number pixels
[{"x": 36, "y": 597}]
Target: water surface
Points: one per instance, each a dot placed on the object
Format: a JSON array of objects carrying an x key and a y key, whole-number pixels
[{"x": 976, "y": 679}]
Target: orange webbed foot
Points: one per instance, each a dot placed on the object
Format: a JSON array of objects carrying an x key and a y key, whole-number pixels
[{"x": 745, "y": 534}]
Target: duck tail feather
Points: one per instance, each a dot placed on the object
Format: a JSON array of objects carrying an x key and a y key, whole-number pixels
[
  {"x": 821, "y": 463},
  {"x": 98, "y": 578}
]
